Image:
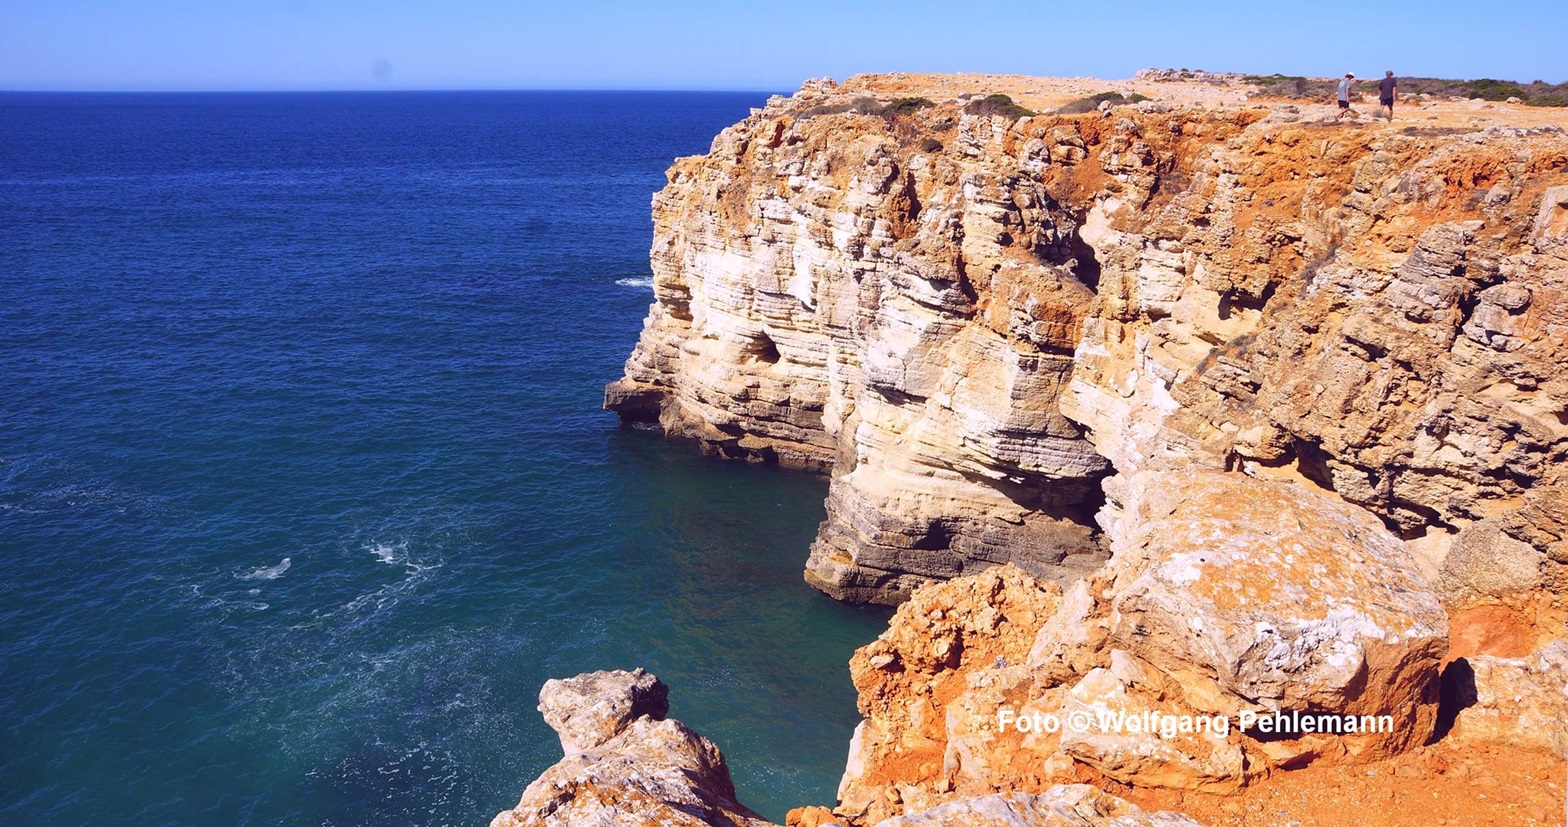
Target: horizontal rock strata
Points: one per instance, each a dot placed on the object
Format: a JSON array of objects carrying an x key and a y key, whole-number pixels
[
  {"x": 1167, "y": 409},
  {"x": 971, "y": 320}
]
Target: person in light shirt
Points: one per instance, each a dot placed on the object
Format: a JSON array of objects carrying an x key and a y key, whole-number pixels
[{"x": 1342, "y": 94}]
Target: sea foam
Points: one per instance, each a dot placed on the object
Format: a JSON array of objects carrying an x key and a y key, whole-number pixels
[{"x": 268, "y": 572}]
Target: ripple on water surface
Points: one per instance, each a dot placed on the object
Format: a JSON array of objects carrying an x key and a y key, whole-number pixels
[{"x": 304, "y": 485}]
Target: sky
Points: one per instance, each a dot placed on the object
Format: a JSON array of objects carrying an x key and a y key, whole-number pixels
[{"x": 233, "y": 45}]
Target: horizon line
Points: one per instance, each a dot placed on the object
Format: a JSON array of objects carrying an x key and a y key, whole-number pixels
[{"x": 667, "y": 90}]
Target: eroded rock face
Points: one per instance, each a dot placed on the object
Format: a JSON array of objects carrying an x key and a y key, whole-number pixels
[
  {"x": 1075, "y": 805},
  {"x": 1385, "y": 331},
  {"x": 1226, "y": 596},
  {"x": 967, "y": 636},
  {"x": 590, "y": 709},
  {"x": 1521, "y": 701},
  {"x": 831, "y": 296},
  {"x": 625, "y": 765},
  {"x": 938, "y": 308},
  {"x": 1267, "y": 596}
]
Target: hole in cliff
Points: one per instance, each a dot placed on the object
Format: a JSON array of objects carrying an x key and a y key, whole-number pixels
[
  {"x": 964, "y": 285},
  {"x": 1312, "y": 462},
  {"x": 1074, "y": 500},
  {"x": 763, "y": 349},
  {"x": 938, "y": 536},
  {"x": 1086, "y": 266},
  {"x": 1234, "y": 302},
  {"x": 1411, "y": 520},
  {"x": 1456, "y": 693}
]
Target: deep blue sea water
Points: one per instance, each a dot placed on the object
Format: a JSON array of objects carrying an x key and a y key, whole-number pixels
[{"x": 304, "y": 485}]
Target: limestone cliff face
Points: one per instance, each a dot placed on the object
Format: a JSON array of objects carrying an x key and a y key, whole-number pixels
[
  {"x": 983, "y": 327},
  {"x": 831, "y": 296}
]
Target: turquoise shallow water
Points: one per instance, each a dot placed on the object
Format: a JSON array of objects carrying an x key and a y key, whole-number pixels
[{"x": 304, "y": 488}]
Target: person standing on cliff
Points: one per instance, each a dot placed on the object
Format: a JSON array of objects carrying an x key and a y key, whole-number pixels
[
  {"x": 1385, "y": 93},
  {"x": 1342, "y": 93}
]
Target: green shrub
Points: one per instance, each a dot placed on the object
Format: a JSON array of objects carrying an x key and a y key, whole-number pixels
[
  {"x": 997, "y": 105},
  {"x": 906, "y": 106},
  {"x": 930, "y": 145},
  {"x": 1292, "y": 86},
  {"x": 1091, "y": 103},
  {"x": 862, "y": 105},
  {"x": 1549, "y": 99},
  {"x": 1493, "y": 90}
]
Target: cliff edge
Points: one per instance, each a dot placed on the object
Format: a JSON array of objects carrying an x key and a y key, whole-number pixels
[
  {"x": 1185, "y": 415},
  {"x": 980, "y": 321}
]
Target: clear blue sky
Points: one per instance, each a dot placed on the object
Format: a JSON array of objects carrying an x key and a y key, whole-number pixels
[{"x": 705, "y": 44}]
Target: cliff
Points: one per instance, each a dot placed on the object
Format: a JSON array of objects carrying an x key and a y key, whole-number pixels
[
  {"x": 977, "y": 324},
  {"x": 1204, "y": 407}
]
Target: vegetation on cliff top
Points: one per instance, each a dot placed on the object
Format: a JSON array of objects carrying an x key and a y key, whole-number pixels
[
  {"x": 867, "y": 105},
  {"x": 1093, "y": 102},
  {"x": 1534, "y": 93},
  {"x": 997, "y": 105},
  {"x": 906, "y": 106}
]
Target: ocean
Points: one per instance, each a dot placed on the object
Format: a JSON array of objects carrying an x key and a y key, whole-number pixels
[{"x": 304, "y": 485}]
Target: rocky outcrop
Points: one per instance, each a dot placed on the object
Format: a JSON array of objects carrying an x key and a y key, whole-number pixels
[
  {"x": 626, "y": 765},
  {"x": 1226, "y": 601},
  {"x": 1522, "y": 701},
  {"x": 950, "y": 656},
  {"x": 1076, "y": 805},
  {"x": 590, "y": 709},
  {"x": 971, "y": 321},
  {"x": 1263, "y": 597},
  {"x": 1240, "y": 416}
]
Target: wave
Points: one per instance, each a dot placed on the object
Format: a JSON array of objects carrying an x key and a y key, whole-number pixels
[
  {"x": 268, "y": 572},
  {"x": 393, "y": 554},
  {"x": 641, "y": 281},
  {"x": 360, "y": 608},
  {"x": 228, "y": 607}
]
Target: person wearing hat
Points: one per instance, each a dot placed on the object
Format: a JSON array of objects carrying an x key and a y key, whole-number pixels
[{"x": 1343, "y": 94}]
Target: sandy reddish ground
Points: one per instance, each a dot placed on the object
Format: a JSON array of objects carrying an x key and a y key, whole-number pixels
[
  {"x": 1041, "y": 93},
  {"x": 1436, "y": 785}
]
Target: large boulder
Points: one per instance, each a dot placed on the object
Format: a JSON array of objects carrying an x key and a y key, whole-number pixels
[
  {"x": 1233, "y": 611},
  {"x": 1265, "y": 597}
]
